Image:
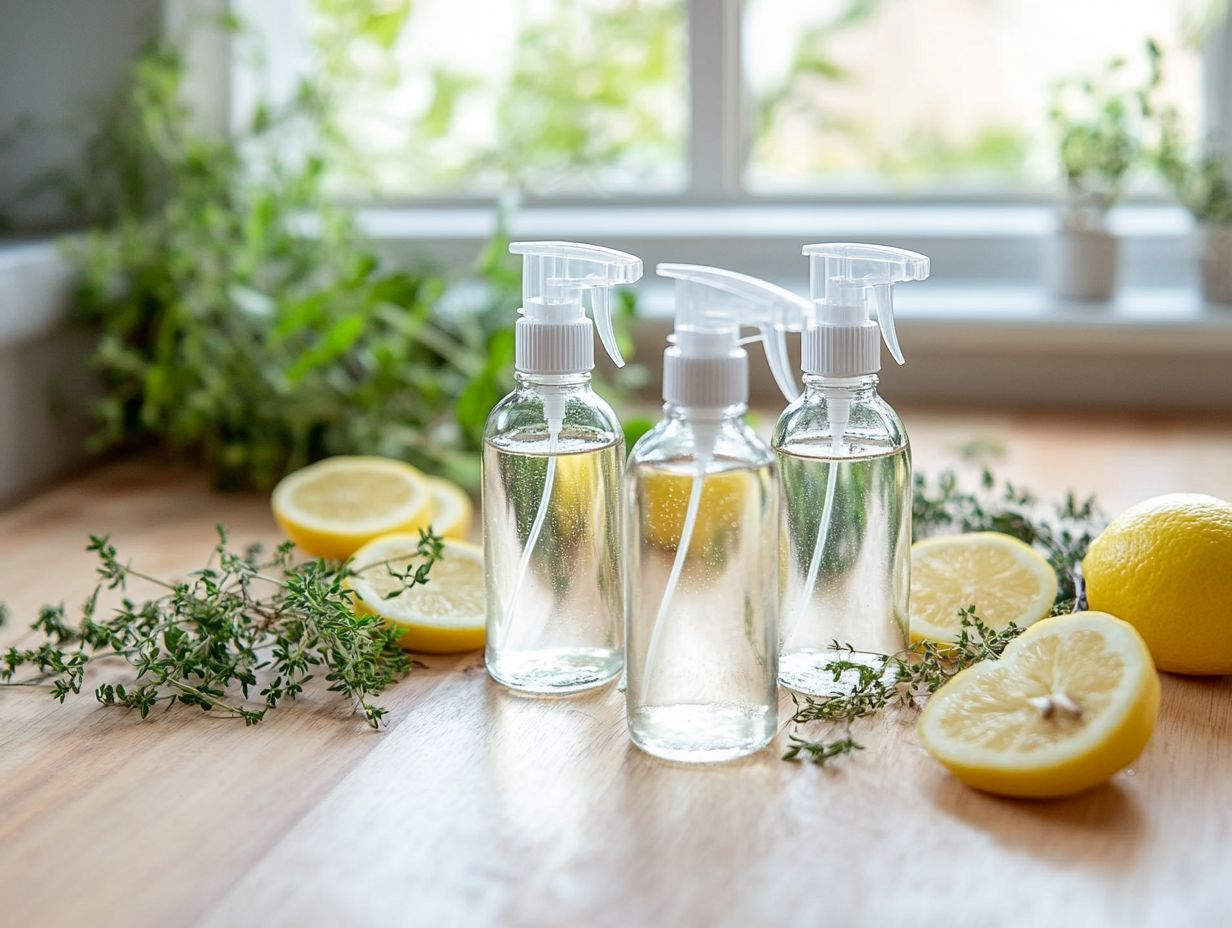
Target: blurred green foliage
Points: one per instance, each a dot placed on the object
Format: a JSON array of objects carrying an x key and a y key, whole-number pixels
[
  {"x": 1100, "y": 123},
  {"x": 243, "y": 320},
  {"x": 1200, "y": 178},
  {"x": 583, "y": 104},
  {"x": 1198, "y": 174}
]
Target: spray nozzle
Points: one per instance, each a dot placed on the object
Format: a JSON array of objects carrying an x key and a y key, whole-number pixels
[
  {"x": 849, "y": 283},
  {"x": 712, "y": 305},
  {"x": 555, "y": 278}
]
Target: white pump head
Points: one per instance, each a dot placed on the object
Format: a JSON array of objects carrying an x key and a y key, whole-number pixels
[
  {"x": 849, "y": 283},
  {"x": 554, "y": 336},
  {"x": 705, "y": 365}
]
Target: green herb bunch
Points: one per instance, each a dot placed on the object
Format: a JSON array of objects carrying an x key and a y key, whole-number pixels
[
  {"x": 873, "y": 681},
  {"x": 238, "y": 638},
  {"x": 244, "y": 321}
]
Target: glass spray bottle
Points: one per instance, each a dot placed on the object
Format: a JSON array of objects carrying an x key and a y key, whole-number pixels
[
  {"x": 845, "y": 471},
  {"x": 552, "y": 458},
  {"x": 701, "y": 518}
]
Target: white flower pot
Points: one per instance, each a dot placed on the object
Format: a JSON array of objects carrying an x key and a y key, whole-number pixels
[
  {"x": 1215, "y": 256},
  {"x": 1081, "y": 264}
]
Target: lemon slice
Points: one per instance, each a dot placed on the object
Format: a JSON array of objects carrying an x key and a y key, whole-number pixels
[
  {"x": 1071, "y": 701},
  {"x": 1005, "y": 579},
  {"x": 451, "y": 508},
  {"x": 445, "y": 614},
  {"x": 334, "y": 507}
]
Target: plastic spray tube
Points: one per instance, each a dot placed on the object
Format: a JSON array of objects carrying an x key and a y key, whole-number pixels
[
  {"x": 553, "y": 409},
  {"x": 839, "y": 409}
]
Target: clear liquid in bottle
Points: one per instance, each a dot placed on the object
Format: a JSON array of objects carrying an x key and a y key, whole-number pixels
[
  {"x": 558, "y": 629},
  {"x": 706, "y": 690},
  {"x": 860, "y": 594}
]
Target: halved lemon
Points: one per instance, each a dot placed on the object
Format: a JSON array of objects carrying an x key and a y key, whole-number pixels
[
  {"x": 1070, "y": 702},
  {"x": 1005, "y": 579},
  {"x": 443, "y": 615},
  {"x": 451, "y": 508},
  {"x": 332, "y": 508}
]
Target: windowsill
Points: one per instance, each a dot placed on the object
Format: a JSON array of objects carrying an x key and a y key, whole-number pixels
[
  {"x": 756, "y": 220},
  {"x": 36, "y": 290},
  {"x": 969, "y": 244},
  {"x": 1154, "y": 345},
  {"x": 986, "y": 345}
]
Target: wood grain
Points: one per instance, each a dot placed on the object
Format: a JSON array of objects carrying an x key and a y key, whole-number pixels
[{"x": 479, "y": 807}]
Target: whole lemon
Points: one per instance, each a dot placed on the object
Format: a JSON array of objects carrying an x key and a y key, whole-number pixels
[{"x": 1165, "y": 566}]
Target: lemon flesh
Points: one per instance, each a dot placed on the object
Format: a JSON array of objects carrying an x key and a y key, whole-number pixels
[
  {"x": 1005, "y": 579},
  {"x": 442, "y": 616},
  {"x": 1165, "y": 566},
  {"x": 666, "y": 502},
  {"x": 1071, "y": 701},
  {"x": 451, "y": 508},
  {"x": 332, "y": 508}
]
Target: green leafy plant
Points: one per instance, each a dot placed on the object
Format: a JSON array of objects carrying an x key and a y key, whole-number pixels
[
  {"x": 874, "y": 682},
  {"x": 245, "y": 624},
  {"x": 1199, "y": 175},
  {"x": 243, "y": 320},
  {"x": 1099, "y": 123},
  {"x": 1201, "y": 180}
]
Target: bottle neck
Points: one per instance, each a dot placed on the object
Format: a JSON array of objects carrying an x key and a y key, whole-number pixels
[
  {"x": 678, "y": 413},
  {"x": 559, "y": 382},
  {"x": 854, "y": 388}
]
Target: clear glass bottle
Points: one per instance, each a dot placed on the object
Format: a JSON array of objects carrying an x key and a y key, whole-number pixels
[
  {"x": 551, "y": 481},
  {"x": 849, "y": 580},
  {"x": 845, "y": 472},
  {"x": 554, "y": 623},
  {"x": 703, "y": 684}
]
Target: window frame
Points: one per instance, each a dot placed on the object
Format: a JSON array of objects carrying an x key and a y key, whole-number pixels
[{"x": 979, "y": 230}]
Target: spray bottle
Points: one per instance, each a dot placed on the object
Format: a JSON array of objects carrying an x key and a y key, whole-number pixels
[
  {"x": 701, "y": 527},
  {"x": 845, "y": 469},
  {"x": 552, "y": 459}
]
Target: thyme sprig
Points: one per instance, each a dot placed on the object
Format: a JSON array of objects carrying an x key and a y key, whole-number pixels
[
  {"x": 873, "y": 681},
  {"x": 245, "y": 622}
]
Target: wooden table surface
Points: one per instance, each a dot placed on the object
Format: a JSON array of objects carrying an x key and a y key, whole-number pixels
[{"x": 479, "y": 807}]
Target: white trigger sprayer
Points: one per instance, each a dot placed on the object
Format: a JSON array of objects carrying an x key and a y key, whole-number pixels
[
  {"x": 554, "y": 337},
  {"x": 706, "y": 371},
  {"x": 849, "y": 283}
]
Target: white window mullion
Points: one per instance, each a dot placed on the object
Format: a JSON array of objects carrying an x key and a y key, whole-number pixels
[
  {"x": 192, "y": 27},
  {"x": 1217, "y": 85},
  {"x": 716, "y": 100}
]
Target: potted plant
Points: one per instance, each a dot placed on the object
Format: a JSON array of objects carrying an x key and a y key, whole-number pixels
[
  {"x": 1202, "y": 181},
  {"x": 1097, "y": 122}
]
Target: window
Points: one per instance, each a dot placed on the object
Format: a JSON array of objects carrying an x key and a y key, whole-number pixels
[
  {"x": 904, "y": 95},
  {"x": 713, "y": 100},
  {"x": 442, "y": 98}
]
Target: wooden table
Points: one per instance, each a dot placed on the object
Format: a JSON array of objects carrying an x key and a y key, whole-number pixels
[{"x": 478, "y": 807}]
